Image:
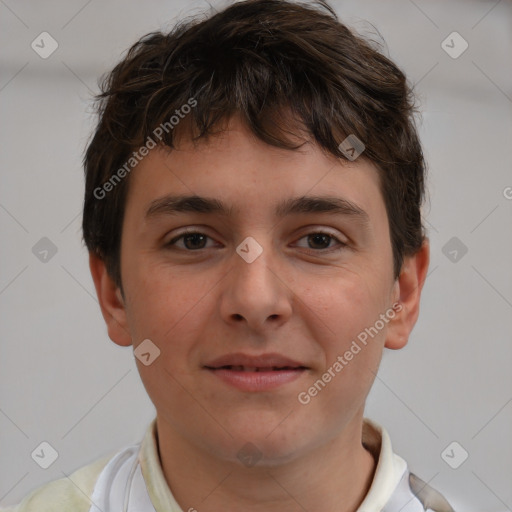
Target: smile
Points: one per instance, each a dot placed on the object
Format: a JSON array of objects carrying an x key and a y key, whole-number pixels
[
  {"x": 240, "y": 368},
  {"x": 256, "y": 379}
]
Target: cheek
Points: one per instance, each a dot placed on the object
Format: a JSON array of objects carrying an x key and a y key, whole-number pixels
[
  {"x": 164, "y": 305},
  {"x": 342, "y": 317},
  {"x": 342, "y": 307}
]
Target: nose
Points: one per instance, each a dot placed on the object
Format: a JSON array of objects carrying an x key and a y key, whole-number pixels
[{"x": 256, "y": 290}]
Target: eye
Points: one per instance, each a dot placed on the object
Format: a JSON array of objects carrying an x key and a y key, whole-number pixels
[
  {"x": 320, "y": 240},
  {"x": 323, "y": 239},
  {"x": 192, "y": 241}
]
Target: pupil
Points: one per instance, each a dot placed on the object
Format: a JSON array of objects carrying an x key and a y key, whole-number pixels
[
  {"x": 195, "y": 237},
  {"x": 326, "y": 238}
]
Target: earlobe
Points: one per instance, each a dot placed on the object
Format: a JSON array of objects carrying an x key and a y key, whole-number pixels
[
  {"x": 408, "y": 287},
  {"x": 111, "y": 302}
]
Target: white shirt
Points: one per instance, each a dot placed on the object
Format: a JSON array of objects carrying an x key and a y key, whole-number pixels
[
  {"x": 121, "y": 484},
  {"x": 132, "y": 480}
]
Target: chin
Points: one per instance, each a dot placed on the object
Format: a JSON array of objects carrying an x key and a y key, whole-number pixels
[{"x": 264, "y": 447}]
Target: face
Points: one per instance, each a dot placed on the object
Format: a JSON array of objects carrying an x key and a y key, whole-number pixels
[{"x": 289, "y": 293}]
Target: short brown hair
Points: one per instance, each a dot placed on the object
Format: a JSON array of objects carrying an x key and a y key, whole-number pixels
[{"x": 257, "y": 59}]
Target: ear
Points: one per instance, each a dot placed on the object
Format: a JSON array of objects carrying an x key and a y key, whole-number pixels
[
  {"x": 407, "y": 291},
  {"x": 111, "y": 302}
]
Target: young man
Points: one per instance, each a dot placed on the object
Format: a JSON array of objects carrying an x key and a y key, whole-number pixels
[{"x": 252, "y": 214}]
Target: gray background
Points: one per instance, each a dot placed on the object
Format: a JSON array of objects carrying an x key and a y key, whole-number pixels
[{"x": 63, "y": 381}]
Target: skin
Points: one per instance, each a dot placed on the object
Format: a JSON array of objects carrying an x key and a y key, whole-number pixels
[{"x": 201, "y": 304}]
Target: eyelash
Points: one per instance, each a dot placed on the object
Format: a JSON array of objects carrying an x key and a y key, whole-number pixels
[{"x": 341, "y": 245}]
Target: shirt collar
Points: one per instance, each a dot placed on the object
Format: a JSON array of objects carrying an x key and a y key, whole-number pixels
[
  {"x": 389, "y": 470},
  {"x": 390, "y": 467}
]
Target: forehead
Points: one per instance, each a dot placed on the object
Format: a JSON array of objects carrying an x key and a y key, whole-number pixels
[{"x": 245, "y": 174}]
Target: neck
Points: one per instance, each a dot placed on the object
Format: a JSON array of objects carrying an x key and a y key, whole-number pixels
[{"x": 333, "y": 477}]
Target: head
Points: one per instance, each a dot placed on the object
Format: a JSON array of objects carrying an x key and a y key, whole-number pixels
[{"x": 247, "y": 109}]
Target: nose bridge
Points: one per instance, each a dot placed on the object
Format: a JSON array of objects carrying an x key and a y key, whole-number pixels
[
  {"x": 255, "y": 290},
  {"x": 254, "y": 258}
]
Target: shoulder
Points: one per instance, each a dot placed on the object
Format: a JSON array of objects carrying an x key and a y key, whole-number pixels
[
  {"x": 393, "y": 483},
  {"x": 430, "y": 498},
  {"x": 68, "y": 493},
  {"x": 414, "y": 495}
]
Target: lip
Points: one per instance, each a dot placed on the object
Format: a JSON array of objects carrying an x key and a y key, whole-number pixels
[
  {"x": 258, "y": 361},
  {"x": 255, "y": 373}
]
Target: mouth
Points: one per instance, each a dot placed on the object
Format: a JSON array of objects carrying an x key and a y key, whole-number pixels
[
  {"x": 255, "y": 373},
  {"x": 240, "y": 368}
]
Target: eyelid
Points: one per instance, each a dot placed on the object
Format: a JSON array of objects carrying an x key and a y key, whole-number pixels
[
  {"x": 309, "y": 230},
  {"x": 342, "y": 239},
  {"x": 340, "y": 244},
  {"x": 185, "y": 232}
]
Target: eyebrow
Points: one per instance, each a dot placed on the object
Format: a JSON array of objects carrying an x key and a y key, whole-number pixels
[{"x": 171, "y": 205}]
